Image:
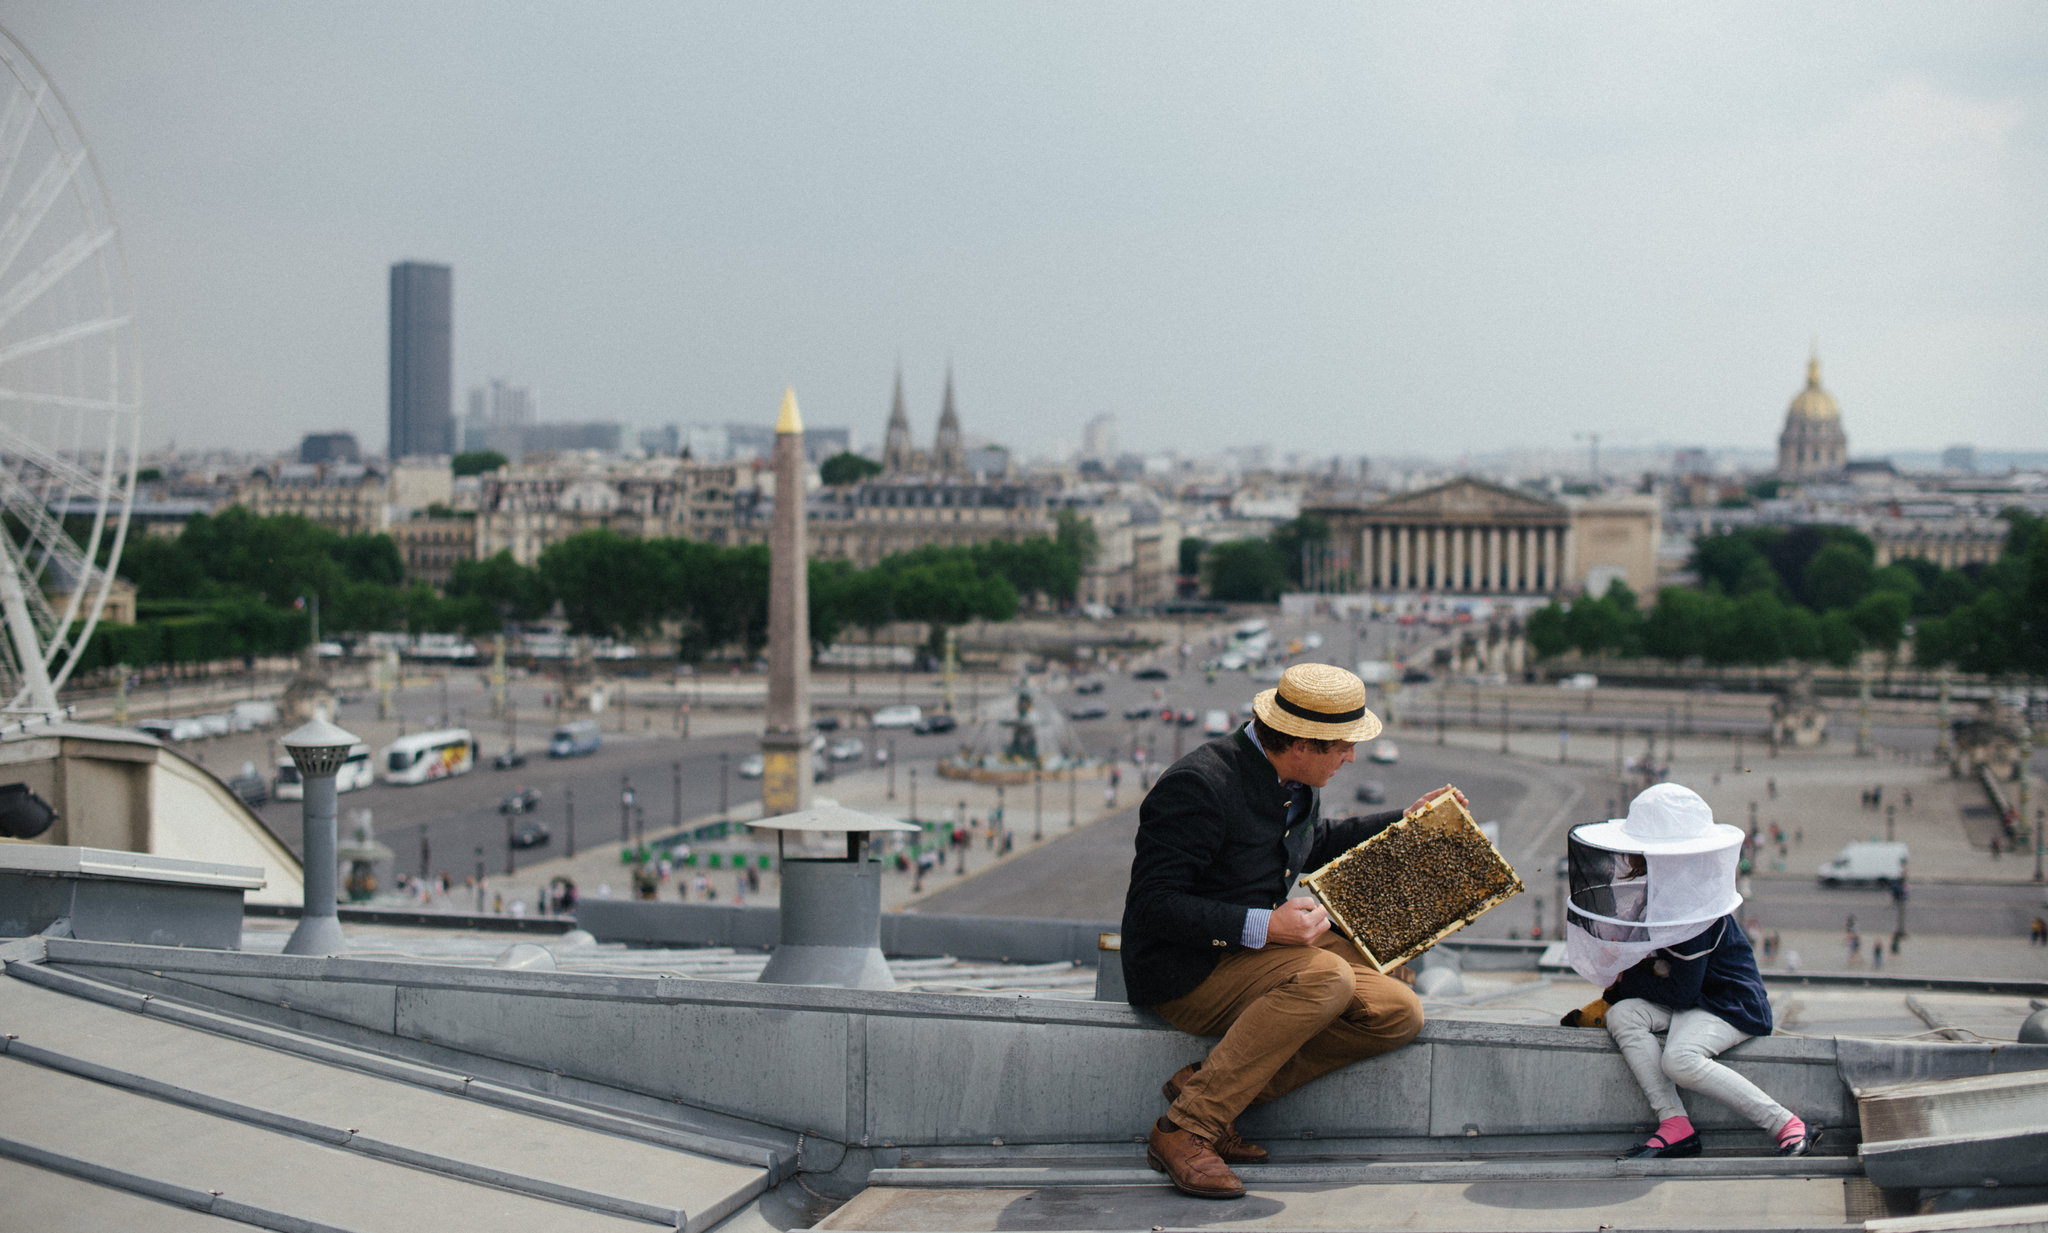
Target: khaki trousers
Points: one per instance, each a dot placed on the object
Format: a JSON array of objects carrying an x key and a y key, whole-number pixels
[{"x": 1287, "y": 1014}]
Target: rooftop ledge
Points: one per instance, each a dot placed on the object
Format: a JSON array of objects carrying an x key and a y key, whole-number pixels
[{"x": 895, "y": 1070}]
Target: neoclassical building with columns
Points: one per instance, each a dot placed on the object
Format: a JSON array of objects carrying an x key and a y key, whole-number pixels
[{"x": 1471, "y": 537}]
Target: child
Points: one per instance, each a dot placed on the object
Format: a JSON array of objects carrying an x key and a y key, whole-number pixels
[{"x": 1652, "y": 920}]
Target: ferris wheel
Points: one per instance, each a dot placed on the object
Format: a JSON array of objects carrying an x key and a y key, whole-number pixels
[{"x": 70, "y": 388}]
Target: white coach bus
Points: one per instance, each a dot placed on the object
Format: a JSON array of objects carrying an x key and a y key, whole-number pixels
[{"x": 427, "y": 756}]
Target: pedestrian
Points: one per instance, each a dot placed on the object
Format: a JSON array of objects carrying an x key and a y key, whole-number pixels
[
  {"x": 1877, "y": 957},
  {"x": 1649, "y": 882},
  {"x": 1855, "y": 948},
  {"x": 1798, "y": 836},
  {"x": 1771, "y": 787},
  {"x": 2039, "y": 934}
]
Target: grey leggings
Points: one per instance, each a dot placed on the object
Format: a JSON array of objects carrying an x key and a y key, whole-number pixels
[{"x": 1686, "y": 1059}]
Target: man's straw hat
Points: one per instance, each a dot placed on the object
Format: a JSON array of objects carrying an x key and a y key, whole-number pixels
[{"x": 1319, "y": 701}]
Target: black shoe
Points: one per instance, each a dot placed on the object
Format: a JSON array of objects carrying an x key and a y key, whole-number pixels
[
  {"x": 1803, "y": 1144},
  {"x": 1658, "y": 1149}
]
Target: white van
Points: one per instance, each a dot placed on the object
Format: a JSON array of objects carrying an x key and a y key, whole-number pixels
[
  {"x": 1866, "y": 860},
  {"x": 1216, "y": 723},
  {"x": 904, "y": 715},
  {"x": 356, "y": 772}
]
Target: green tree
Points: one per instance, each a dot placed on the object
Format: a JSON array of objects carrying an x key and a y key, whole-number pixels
[
  {"x": 1244, "y": 571},
  {"x": 1297, "y": 540},
  {"x": 502, "y": 585},
  {"x": 1076, "y": 536},
  {"x": 1879, "y": 619},
  {"x": 847, "y": 467},
  {"x": 477, "y": 462},
  {"x": 1836, "y": 576},
  {"x": 1547, "y": 632},
  {"x": 1191, "y": 547},
  {"x": 608, "y": 585}
]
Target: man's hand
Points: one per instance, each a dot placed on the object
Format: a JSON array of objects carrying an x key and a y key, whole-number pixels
[
  {"x": 1298, "y": 922},
  {"x": 1430, "y": 799}
]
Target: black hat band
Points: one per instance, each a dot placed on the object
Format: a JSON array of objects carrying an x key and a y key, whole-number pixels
[{"x": 1321, "y": 717}]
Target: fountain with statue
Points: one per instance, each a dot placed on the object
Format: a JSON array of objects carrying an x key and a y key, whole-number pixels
[{"x": 1018, "y": 738}]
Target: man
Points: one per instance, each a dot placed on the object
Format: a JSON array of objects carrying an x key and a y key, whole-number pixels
[{"x": 1212, "y": 945}]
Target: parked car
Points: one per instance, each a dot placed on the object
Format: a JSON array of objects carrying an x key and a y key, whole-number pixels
[
  {"x": 508, "y": 760},
  {"x": 846, "y": 749},
  {"x": 899, "y": 716},
  {"x": 826, "y": 723},
  {"x": 1580, "y": 680},
  {"x": 1372, "y": 792},
  {"x": 1140, "y": 711},
  {"x": 1216, "y": 723},
  {"x": 520, "y": 800},
  {"x": 530, "y": 835},
  {"x": 1187, "y": 719},
  {"x": 1088, "y": 710},
  {"x": 1385, "y": 752},
  {"x": 1151, "y": 674},
  {"x": 249, "y": 786},
  {"x": 216, "y": 725},
  {"x": 159, "y": 728},
  {"x": 1415, "y": 676},
  {"x": 1091, "y": 685},
  {"x": 940, "y": 722},
  {"x": 753, "y": 766}
]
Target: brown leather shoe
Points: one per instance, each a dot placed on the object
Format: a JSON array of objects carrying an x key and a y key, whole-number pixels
[
  {"x": 1229, "y": 1145},
  {"x": 1191, "y": 1163}
]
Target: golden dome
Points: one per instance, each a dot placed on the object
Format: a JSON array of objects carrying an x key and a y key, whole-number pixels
[{"x": 1813, "y": 402}]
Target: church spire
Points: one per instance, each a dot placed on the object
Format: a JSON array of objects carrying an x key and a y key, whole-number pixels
[
  {"x": 948, "y": 455},
  {"x": 896, "y": 449}
]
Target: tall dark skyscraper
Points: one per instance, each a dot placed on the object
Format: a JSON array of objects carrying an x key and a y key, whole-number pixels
[{"x": 422, "y": 359}]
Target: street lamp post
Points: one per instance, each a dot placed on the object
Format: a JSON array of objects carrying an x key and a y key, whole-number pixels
[
  {"x": 1073, "y": 799},
  {"x": 625, "y": 809},
  {"x": 913, "y": 792},
  {"x": 1038, "y": 805},
  {"x": 676, "y": 769},
  {"x": 569, "y": 822},
  {"x": 724, "y": 798},
  {"x": 318, "y": 749}
]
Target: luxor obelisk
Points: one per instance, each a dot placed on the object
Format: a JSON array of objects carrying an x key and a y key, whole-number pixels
[{"x": 786, "y": 739}]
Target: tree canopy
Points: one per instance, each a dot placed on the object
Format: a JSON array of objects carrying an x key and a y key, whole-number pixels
[{"x": 847, "y": 467}]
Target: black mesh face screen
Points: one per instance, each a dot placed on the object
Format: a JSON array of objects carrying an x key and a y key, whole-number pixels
[{"x": 1610, "y": 884}]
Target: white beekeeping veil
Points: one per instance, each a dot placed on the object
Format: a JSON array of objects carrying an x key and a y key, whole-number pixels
[{"x": 1650, "y": 880}]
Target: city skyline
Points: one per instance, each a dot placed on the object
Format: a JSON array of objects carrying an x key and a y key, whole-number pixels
[{"x": 1390, "y": 233}]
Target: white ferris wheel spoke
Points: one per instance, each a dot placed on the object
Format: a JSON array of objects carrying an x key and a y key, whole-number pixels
[
  {"x": 14, "y": 130},
  {"x": 36, "y": 690},
  {"x": 50, "y": 273},
  {"x": 14, "y": 443},
  {"x": 35, "y": 205},
  {"x": 69, "y": 402},
  {"x": 63, "y": 337}
]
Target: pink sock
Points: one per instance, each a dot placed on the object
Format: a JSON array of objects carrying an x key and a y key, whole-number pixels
[
  {"x": 1791, "y": 1131},
  {"x": 1672, "y": 1129}
]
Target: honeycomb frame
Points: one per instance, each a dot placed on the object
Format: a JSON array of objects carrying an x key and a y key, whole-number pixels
[{"x": 1352, "y": 885}]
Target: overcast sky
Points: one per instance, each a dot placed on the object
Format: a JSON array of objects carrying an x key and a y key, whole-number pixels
[{"x": 1350, "y": 228}]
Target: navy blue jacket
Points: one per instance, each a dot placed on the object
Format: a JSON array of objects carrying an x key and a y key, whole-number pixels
[
  {"x": 1712, "y": 971},
  {"x": 1213, "y": 842}
]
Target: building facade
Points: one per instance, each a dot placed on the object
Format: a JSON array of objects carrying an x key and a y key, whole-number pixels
[
  {"x": 346, "y": 498},
  {"x": 432, "y": 546},
  {"x": 524, "y": 510},
  {"x": 882, "y": 517},
  {"x": 422, "y": 359},
  {"x": 1471, "y": 537},
  {"x": 1950, "y": 543}
]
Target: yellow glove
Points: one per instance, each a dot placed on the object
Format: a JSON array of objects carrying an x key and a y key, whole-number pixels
[{"x": 1592, "y": 1014}]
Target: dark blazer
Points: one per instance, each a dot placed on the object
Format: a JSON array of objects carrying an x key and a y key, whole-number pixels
[{"x": 1212, "y": 843}]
